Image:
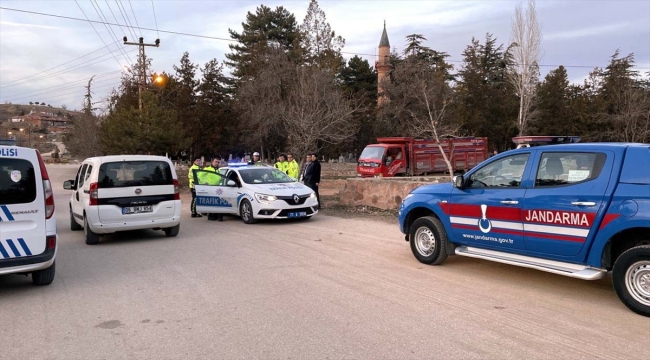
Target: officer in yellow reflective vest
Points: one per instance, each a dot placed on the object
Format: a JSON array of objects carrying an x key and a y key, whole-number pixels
[
  {"x": 282, "y": 164},
  {"x": 293, "y": 169},
  {"x": 190, "y": 177},
  {"x": 213, "y": 178}
]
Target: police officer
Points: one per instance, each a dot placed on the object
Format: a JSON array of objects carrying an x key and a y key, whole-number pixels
[
  {"x": 213, "y": 178},
  {"x": 190, "y": 176},
  {"x": 256, "y": 159},
  {"x": 282, "y": 164},
  {"x": 293, "y": 169}
]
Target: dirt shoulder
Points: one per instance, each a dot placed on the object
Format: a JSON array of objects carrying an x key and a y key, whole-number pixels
[{"x": 361, "y": 212}]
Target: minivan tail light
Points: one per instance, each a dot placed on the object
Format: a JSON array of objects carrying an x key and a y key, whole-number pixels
[
  {"x": 48, "y": 194},
  {"x": 177, "y": 193},
  {"x": 94, "y": 194}
]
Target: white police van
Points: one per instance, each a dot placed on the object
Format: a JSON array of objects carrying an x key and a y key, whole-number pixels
[{"x": 28, "y": 237}]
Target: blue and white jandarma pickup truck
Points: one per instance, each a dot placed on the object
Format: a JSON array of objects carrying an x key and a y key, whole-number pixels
[{"x": 578, "y": 210}]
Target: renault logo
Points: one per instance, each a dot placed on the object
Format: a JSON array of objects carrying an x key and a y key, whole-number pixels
[
  {"x": 138, "y": 191},
  {"x": 296, "y": 198}
]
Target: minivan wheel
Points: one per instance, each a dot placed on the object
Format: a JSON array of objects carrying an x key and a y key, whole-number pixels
[
  {"x": 74, "y": 225},
  {"x": 246, "y": 211},
  {"x": 172, "y": 231},
  {"x": 45, "y": 276},
  {"x": 631, "y": 278},
  {"x": 91, "y": 237}
]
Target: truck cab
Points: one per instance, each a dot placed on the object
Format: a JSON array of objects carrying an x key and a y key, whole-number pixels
[{"x": 382, "y": 160}]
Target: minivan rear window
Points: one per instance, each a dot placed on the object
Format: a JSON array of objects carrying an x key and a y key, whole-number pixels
[
  {"x": 134, "y": 173},
  {"x": 17, "y": 181}
]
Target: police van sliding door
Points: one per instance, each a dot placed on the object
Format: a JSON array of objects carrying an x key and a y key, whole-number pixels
[{"x": 565, "y": 202}]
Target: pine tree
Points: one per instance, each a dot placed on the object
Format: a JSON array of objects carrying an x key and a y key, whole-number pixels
[
  {"x": 152, "y": 130},
  {"x": 213, "y": 126},
  {"x": 552, "y": 115},
  {"x": 359, "y": 80},
  {"x": 321, "y": 44},
  {"x": 485, "y": 103},
  {"x": 264, "y": 28}
]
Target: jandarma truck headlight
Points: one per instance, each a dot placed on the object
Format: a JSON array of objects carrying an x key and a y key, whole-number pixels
[{"x": 265, "y": 198}]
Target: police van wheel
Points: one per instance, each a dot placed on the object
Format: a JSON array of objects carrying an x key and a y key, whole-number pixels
[
  {"x": 246, "y": 212},
  {"x": 172, "y": 231},
  {"x": 45, "y": 276},
  {"x": 91, "y": 237},
  {"x": 631, "y": 278},
  {"x": 74, "y": 226},
  {"x": 429, "y": 240}
]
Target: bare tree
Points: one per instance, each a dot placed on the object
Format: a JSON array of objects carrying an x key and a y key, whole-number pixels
[
  {"x": 419, "y": 97},
  {"x": 317, "y": 112},
  {"x": 525, "y": 51},
  {"x": 259, "y": 99},
  {"x": 82, "y": 139},
  {"x": 632, "y": 118}
]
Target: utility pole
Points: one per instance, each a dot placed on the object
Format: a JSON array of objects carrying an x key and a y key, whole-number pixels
[{"x": 142, "y": 76}]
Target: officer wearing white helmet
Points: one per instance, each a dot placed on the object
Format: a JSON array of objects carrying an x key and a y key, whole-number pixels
[{"x": 256, "y": 159}]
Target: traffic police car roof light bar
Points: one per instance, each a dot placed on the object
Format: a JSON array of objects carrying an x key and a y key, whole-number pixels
[{"x": 237, "y": 164}]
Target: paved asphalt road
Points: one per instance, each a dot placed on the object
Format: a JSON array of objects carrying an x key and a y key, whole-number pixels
[{"x": 324, "y": 288}]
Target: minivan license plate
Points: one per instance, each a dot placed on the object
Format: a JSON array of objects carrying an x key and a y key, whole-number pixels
[
  {"x": 297, "y": 214},
  {"x": 137, "y": 209}
]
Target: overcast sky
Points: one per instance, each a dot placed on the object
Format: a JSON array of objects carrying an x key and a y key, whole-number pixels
[{"x": 577, "y": 34}]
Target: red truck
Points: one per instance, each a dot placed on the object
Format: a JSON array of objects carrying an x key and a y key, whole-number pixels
[{"x": 402, "y": 156}]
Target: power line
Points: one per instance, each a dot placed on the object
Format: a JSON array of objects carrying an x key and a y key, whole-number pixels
[
  {"x": 115, "y": 17},
  {"x": 75, "y": 67},
  {"x": 91, "y": 24},
  {"x": 126, "y": 21},
  {"x": 77, "y": 91},
  {"x": 134, "y": 17},
  {"x": 100, "y": 12},
  {"x": 231, "y": 40},
  {"x": 155, "y": 18},
  {"x": 8, "y": 84},
  {"x": 59, "y": 86},
  {"x": 43, "y": 92}
]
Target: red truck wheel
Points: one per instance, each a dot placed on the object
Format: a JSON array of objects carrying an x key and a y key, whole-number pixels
[{"x": 631, "y": 277}]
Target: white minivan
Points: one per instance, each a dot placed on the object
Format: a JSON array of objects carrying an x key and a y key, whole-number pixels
[
  {"x": 123, "y": 193},
  {"x": 28, "y": 237}
]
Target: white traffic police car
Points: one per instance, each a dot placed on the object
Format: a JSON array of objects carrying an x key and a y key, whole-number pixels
[{"x": 254, "y": 192}]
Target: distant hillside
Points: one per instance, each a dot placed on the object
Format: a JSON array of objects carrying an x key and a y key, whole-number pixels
[{"x": 8, "y": 111}]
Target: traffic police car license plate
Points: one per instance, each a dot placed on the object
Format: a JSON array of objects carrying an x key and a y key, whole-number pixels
[
  {"x": 137, "y": 209},
  {"x": 297, "y": 214}
]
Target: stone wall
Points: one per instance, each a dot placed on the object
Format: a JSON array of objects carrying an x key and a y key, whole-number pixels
[{"x": 386, "y": 194}]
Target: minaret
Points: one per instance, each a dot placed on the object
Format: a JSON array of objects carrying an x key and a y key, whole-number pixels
[{"x": 382, "y": 65}]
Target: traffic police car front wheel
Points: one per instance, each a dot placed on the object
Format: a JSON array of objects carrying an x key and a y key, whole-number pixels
[
  {"x": 428, "y": 240},
  {"x": 631, "y": 277}
]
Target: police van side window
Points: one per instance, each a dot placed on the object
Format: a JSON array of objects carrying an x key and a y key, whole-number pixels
[
  {"x": 567, "y": 168},
  {"x": 503, "y": 173},
  {"x": 82, "y": 176}
]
